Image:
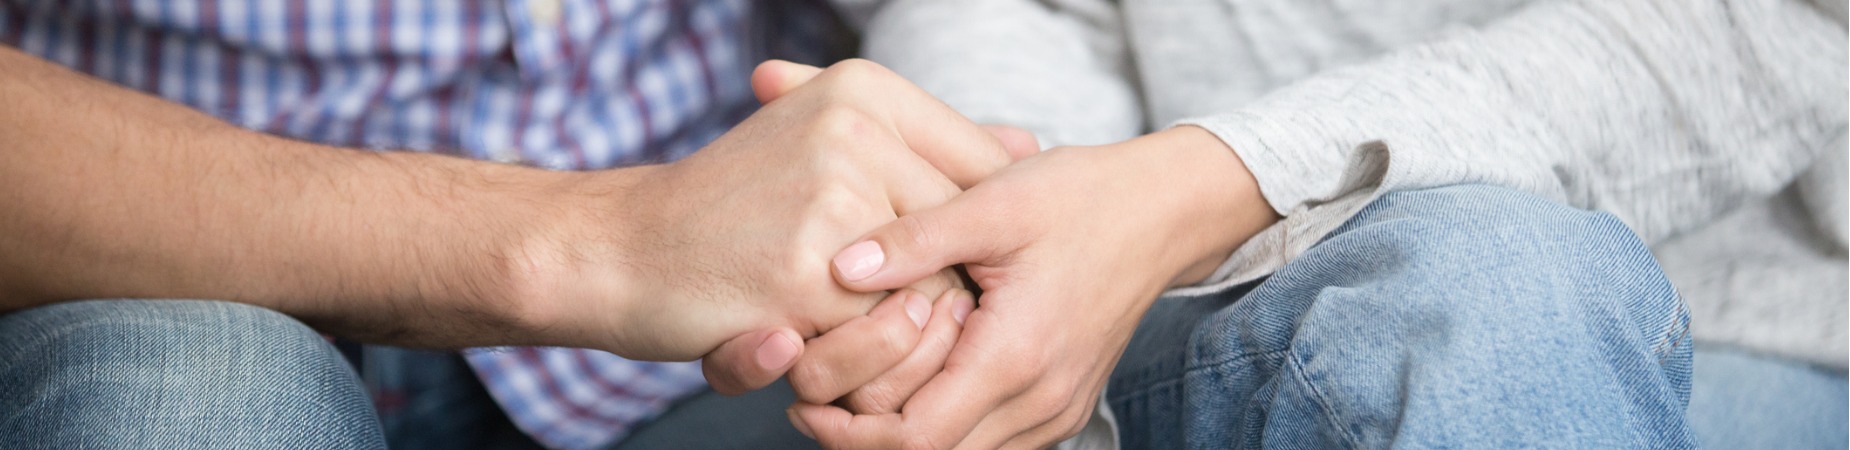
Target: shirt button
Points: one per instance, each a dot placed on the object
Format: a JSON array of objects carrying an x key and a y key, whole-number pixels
[{"x": 547, "y": 12}]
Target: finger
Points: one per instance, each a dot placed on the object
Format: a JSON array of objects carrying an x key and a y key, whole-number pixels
[
  {"x": 774, "y": 78},
  {"x": 887, "y": 392},
  {"x": 862, "y": 348},
  {"x": 834, "y": 427},
  {"x": 950, "y": 142},
  {"x": 752, "y": 361},
  {"x": 918, "y": 245},
  {"x": 938, "y": 284},
  {"x": 942, "y": 413},
  {"x": 912, "y": 183},
  {"x": 1017, "y": 142}
]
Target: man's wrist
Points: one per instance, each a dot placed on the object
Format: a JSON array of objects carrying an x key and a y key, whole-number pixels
[
  {"x": 566, "y": 264},
  {"x": 472, "y": 247}
]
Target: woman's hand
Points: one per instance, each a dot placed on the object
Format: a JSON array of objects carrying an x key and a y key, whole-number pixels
[{"x": 1069, "y": 247}]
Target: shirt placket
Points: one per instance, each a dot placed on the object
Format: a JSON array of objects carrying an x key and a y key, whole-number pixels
[
  {"x": 539, "y": 43},
  {"x": 538, "y": 34}
]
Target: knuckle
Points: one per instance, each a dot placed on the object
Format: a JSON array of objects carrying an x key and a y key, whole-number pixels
[
  {"x": 894, "y": 339},
  {"x": 917, "y": 236},
  {"x": 838, "y": 205},
  {"x": 874, "y": 398},
  {"x": 858, "y": 69},
  {"x": 812, "y": 382},
  {"x": 834, "y": 123},
  {"x": 1048, "y": 404},
  {"x": 1074, "y": 422}
]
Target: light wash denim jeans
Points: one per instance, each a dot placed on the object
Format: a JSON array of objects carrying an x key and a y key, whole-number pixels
[
  {"x": 1465, "y": 317},
  {"x": 1456, "y": 317},
  {"x": 175, "y": 375},
  {"x": 1747, "y": 400}
]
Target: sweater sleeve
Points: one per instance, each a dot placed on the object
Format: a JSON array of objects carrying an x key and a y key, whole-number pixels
[
  {"x": 1057, "y": 68},
  {"x": 1666, "y": 113}
]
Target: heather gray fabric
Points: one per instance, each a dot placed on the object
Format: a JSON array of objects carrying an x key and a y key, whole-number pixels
[{"x": 1671, "y": 114}]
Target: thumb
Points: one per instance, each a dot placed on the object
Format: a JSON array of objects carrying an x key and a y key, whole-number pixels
[
  {"x": 914, "y": 247},
  {"x": 774, "y": 78},
  {"x": 752, "y": 360}
]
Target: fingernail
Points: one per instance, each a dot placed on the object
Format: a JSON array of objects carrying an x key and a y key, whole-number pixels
[
  {"x": 798, "y": 422},
  {"x": 860, "y": 260},
  {"x": 962, "y": 309},
  {"x": 918, "y": 308},
  {"x": 776, "y": 352}
]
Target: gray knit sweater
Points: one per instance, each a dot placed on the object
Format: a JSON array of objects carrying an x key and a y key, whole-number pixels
[{"x": 1715, "y": 129}]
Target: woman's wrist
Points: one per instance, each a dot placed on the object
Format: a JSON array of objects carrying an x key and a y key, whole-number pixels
[{"x": 1218, "y": 204}]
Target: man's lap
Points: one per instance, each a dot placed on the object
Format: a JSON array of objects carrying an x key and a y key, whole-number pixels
[
  {"x": 174, "y": 374},
  {"x": 207, "y": 374}
]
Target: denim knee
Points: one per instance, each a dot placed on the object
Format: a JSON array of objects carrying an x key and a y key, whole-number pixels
[
  {"x": 1488, "y": 234},
  {"x": 1463, "y": 316},
  {"x": 175, "y": 374}
]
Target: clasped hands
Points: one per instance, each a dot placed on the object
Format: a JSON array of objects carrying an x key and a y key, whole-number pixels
[{"x": 773, "y": 251}]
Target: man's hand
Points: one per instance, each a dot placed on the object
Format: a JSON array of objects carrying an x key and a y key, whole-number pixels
[
  {"x": 117, "y": 194},
  {"x": 869, "y": 345},
  {"x": 1070, "y": 247},
  {"x": 737, "y": 237}
]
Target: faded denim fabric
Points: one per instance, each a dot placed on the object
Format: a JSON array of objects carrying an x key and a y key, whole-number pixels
[{"x": 1453, "y": 317}]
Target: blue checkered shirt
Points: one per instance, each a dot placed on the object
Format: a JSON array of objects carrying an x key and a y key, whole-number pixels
[{"x": 562, "y": 84}]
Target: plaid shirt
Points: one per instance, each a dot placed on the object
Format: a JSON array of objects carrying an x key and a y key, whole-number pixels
[{"x": 563, "y": 84}]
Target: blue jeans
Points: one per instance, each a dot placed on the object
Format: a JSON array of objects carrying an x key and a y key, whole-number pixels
[
  {"x": 1464, "y": 317},
  {"x": 1746, "y": 400},
  {"x": 175, "y": 375}
]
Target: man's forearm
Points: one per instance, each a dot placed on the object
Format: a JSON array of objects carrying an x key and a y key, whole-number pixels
[{"x": 111, "y": 193}]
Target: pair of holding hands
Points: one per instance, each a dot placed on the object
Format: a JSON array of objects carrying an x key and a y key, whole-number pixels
[{"x": 851, "y": 183}]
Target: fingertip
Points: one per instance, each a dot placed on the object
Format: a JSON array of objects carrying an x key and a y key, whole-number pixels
[
  {"x": 910, "y": 250},
  {"x": 751, "y": 361},
  {"x": 836, "y": 427},
  {"x": 765, "y": 81},
  {"x": 1017, "y": 142},
  {"x": 811, "y": 411},
  {"x": 955, "y": 303},
  {"x": 774, "y": 78},
  {"x": 962, "y": 304},
  {"x": 797, "y": 422},
  {"x": 779, "y": 351},
  {"x": 918, "y": 309},
  {"x": 810, "y": 417},
  {"x": 859, "y": 261}
]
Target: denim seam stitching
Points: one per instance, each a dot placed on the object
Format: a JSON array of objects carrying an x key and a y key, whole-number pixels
[
  {"x": 1666, "y": 346},
  {"x": 1297, "y": 372}
]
